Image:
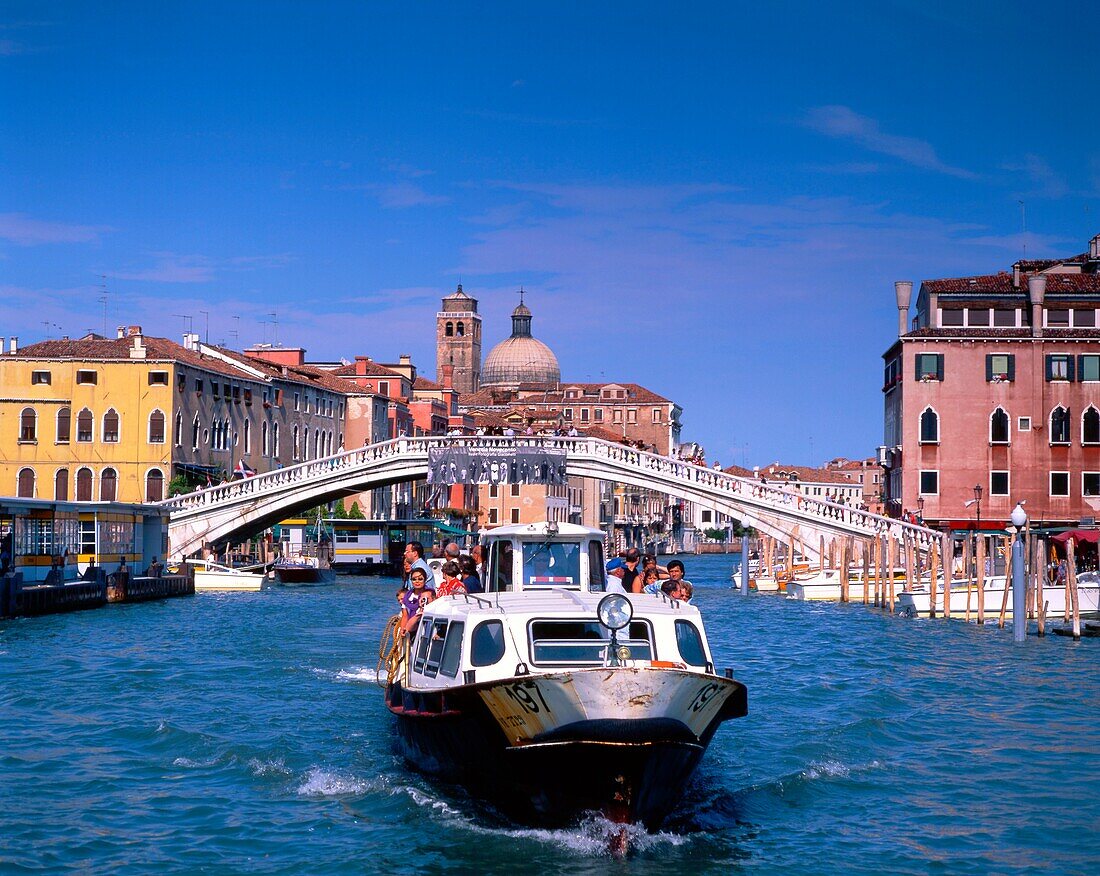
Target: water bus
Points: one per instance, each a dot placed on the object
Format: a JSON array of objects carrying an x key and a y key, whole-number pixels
[{"x": 549, "y": 697}]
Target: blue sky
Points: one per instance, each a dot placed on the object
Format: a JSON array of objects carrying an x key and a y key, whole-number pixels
[{"x": 712, "y": 200}]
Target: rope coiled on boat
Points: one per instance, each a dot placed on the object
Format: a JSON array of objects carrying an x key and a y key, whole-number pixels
[{"x": 391, "y": 650}]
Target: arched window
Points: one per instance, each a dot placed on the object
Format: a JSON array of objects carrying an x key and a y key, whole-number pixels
[
  {"x": 305, "y": 443},
  {"x": 460, "y": 329},
  {"x": 318, "y": 444},
  {"x": 449, "y": 330},
  {"x": 84, "y": 485},
  {"x": 294, "y": 447},
  {"x": 25, "y": 484},
  {"x": 156, "y": 428},
  {"x": 264, "y": 440},
  {"x": 275, "y": 439},
  {"x": 110, "y": 426},
  {"x": 1059, "y": 425},
  {"x": 64, "y": 425},
  {"x": 195, "y": 433},
  {"x": 179, "y": 429},
  {"x": 1090, "y": 426},
  {"x": 998, "y": 427},
  {"x": 84, "y": 422},
  {"x": 61, "y": 485},
  {"x": 154, "y": 485},
  {"x": 108, "y": 485},
  {"x": 227, "y": 431},
  {"x": 929, "y": 427},
  {"x": 28, "y": 425},
  {"x": 247, "y": 437}
]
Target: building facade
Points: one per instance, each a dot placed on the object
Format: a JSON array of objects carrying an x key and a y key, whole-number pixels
[{"x": 992, "y": 396}]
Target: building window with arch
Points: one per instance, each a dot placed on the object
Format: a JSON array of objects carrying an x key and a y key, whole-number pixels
[
  {"x": 154, "y": 485},
  {"x": 318, "y": 446},
  {"x": 84, "y": 485},
  {"x": 305, "y": 443},
  {"x": 998, "y": 427},
  {"x": 1090, "y": 426},
  {"x": 84, "y": 421},
  {"x": 156, "y": 427},
  {"x": 110, "y": 426},
  {"x": 295, "y": 435},
  {"x": 64, "y": 425},
  {"x": 195, "y": 433},
  {"x": 247, "y": 437},
  {"x": 460, "y": 329},
  {"x": 24, "y": 486},
  {"x": 449, "y": 330},
  {"x": 108, "y": 485},
  {"x": 929, "y": 427},
  {"x": 1059, "y": 426},
  {"x": 265, "y": 445},
  {"x": 61, "y": 485},
  {"x": 28, "y": 425},
  {"x": 275, "y": 439},
  {"x": 178, "y": 435}
]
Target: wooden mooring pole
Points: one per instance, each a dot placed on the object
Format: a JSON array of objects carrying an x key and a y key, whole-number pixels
[
  {"x": 1071, "y": 577},
  {"x": 980, "y": 561},
  {"x": 1009, "y": 572},
  {"x": 932, "y": 563},
  {"x": 968, "y": 556},
  {"x": 891, "y": 562},
  {"x": 948, "y": 569},
  {"x": 865, "y": 555}
]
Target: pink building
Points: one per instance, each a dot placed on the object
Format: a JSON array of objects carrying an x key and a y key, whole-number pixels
[{"x": 992, "y": 396}]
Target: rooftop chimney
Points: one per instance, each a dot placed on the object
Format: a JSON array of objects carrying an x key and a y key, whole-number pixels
[
  {"x": 903, "y": 291},
  {"x": 1037, "y": 289},
  {"x": 133, "y": 331},
  {"x": 446, "y": 376},
  {"x": 14, "y": 348},
  {"x": 191, "y": 341},
  {"x": 121, "y": 332},
  {"x": 1094, "y": 248}
]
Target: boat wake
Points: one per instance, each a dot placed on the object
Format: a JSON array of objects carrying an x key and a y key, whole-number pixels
[{"x": 352, "y": 674}]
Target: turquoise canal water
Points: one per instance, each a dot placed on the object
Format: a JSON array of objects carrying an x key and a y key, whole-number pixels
[{"x": 244, "y": 733}]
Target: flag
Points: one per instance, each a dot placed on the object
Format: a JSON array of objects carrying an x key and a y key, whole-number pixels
[{"x": 243, "y": 470}]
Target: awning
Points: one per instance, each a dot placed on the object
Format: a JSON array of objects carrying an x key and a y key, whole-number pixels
[
  {"x": 195, "y": 468},
  {"x": 1079, "y": 535}
]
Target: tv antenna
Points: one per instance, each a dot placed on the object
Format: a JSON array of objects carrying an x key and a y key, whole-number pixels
[
  {"x": 274, "y": 328},
  {"x": 103, "y": 300},
  {"x": 1023, "y": 224},
  {"x": 206, "y": 313},
  {"x": 190, "y": 320}
]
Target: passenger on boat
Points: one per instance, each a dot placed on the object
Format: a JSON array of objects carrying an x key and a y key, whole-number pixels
[
  {"x": 414, "y": 600},
  {"x": 676, "y": 578},
  {"x": 651, "y": 584},
  {"x": 649, "y": 561},
  {"x": 470, "y": 578},
  {"x": 414, "y": 553},
  {"x": 452, "y": 584},
  {"x": 632, "y": 580},
  {"x": 616, "y": 568}
]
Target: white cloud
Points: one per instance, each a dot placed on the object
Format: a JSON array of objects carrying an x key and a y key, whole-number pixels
[
  {"x": 843, "y": 123},
  {"x": 27, "y": 231}
]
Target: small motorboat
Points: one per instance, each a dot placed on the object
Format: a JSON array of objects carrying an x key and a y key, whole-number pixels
[
  {"x": 214, "y": 576},
  {"x": 917, "y": 602},
  {"x": 549, "y": 697},
  {"x": 301, "y": 569}
]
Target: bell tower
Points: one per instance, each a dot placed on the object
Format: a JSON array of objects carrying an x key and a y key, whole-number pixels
[{"x": 458, "y": 341}]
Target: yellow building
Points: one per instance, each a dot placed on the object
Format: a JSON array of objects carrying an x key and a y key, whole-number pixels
[{"x": 114, "y": 419}]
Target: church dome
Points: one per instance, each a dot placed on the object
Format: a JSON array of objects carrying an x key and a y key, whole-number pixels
[{"x": 520, "y": 358}]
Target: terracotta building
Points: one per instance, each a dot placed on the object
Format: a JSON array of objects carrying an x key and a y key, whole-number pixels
[{"x": 992, "y": 396}]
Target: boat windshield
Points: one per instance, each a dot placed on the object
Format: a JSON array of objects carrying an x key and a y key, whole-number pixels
[{"x": 551, "y": 564}]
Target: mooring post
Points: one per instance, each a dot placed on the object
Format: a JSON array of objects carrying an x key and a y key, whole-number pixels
[
  {"x": 744, "y": 565},
  {"x": 1019, "y": 582}
]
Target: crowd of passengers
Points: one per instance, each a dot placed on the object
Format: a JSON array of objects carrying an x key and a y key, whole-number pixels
[{"x": 630, "y": 572}]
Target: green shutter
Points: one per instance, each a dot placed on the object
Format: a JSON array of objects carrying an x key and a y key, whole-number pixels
[
  {"x": 1011, "y": 368},
  {"x": 988, "y": 367},
  {"x": 1049, "y": 368},
  {"x": 939, "y": 366},
  {"x": 1069, "y": 368},
  {"x": 1080, "y": 368}
]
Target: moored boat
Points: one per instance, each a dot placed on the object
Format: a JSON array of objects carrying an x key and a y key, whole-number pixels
[
  {"x": 549, "y": 697},
  {"x": 301, "y": 569},
  {"x": 917, "y": 602},
  {"x": 214, "y": 576}
]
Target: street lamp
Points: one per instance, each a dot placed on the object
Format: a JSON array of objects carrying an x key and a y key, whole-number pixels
[
  {"x": 978, "y": 504},
  {"x": 1019, "y": 591},
  {"x": 920, "y": 509}
]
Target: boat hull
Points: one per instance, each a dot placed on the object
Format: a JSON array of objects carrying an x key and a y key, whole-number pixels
[
  {"x": 209, "y": 580},
  {"x": 583, "y": 749},
  {"x": 917, "y": 602},
  {"x": 297, "y": 576}
]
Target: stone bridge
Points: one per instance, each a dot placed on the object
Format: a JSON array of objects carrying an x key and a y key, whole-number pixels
[{"x": 241, "y": 508}]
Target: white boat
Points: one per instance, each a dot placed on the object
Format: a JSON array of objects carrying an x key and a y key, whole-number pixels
[
  {"x": 548, "y": 696},
  {"x": 825, "y": 586},
  {"x": 214, "y": 576},
  {"x": 916, "y": 603}
]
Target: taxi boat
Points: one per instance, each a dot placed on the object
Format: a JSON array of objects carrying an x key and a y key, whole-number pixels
[{"x": 549, "y": 697}]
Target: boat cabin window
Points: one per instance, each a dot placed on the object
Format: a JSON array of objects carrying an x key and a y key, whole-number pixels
[
  {"x": 452, "y": 650},
  {"x": 500, "y": 567},
  {"x": 487, "y": 643},
  {"x": 579, "y": 642},
  {"x": 690, "y": 643},
  {"x": 551, "y": 564},
  {"x": 429, "y": 651},
  {"x": 597, "y": 577}
]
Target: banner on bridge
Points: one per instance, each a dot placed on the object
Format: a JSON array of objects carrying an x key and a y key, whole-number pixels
[{"x": 489, "y": 465}]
